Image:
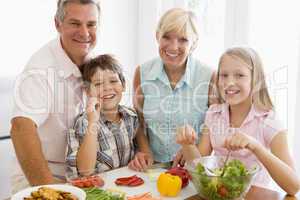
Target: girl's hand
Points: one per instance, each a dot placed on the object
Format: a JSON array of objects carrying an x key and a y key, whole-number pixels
[
  {"x": 186, "y": 135},
  {"x": 239, "y": 141},
  {"x": 93, "y": 105}
]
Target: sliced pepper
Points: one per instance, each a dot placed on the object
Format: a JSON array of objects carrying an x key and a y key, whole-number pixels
[
  {"x": 129, "y": 181},
  {"x": 168, "y": 184}
]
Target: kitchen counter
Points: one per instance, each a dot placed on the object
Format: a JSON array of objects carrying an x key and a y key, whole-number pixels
[{"x": 188, "y": 193}]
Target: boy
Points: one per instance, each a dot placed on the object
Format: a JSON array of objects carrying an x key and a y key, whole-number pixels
[{"x": 102, "y": 136}]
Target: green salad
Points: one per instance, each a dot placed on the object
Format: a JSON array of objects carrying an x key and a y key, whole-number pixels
[
  {"x": 99, "y": 194},
  {"x": 230, "y": 185}
]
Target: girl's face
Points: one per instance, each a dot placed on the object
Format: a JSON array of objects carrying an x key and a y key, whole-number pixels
[
  {"x": 108, "y": 88},
  {"x": 174, "y": 49},
  {"x": 234, "y": 81}
]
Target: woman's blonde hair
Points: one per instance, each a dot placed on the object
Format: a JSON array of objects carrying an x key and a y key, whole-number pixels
[
  {"x": 260, "y": 95},
  {"x": 180, "y": 21}
]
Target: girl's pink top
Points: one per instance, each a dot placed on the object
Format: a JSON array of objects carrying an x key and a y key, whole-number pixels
[{"x": 261, "y": 125}]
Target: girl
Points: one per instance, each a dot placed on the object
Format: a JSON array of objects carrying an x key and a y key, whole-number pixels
[{"x": 245, "y": 107}]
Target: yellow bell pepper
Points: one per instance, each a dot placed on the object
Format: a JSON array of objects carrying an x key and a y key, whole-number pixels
[{"x": 169, "y": 185}]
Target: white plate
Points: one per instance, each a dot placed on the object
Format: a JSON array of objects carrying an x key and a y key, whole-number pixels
[{"x": 79, "y": 193}]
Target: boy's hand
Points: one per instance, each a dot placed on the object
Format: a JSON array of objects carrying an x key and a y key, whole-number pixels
[
  {"x": 239, "y": 141},
  {"x": 141, "y": 161},
  {"x": 93, "y": 105},
  {"x": 186, "y": 135}
]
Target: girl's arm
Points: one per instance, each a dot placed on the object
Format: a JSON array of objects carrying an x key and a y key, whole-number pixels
[
  {"x": 279, "y": 163},
  {"x": 186, "y": 136},
  {"x": 204, "y": 146},
  {"x": 143, "y": 158}
]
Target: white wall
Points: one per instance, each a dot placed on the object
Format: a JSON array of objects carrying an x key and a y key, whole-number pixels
[
  {"x": 27, "y": 25},
  {"x": 118, "y": 36}
]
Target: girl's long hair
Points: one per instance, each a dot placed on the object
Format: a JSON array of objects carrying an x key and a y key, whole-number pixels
[{"x": 259, "y": 91}]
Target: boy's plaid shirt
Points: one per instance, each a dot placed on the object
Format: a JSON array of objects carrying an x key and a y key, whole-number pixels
[{"x": 116, "y": 140}]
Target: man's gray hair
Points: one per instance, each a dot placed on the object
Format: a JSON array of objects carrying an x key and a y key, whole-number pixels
[{"x": 61, "y": 4}]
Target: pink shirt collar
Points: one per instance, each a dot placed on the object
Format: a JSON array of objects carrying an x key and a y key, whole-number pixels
[{"x": 223, "y": 110}]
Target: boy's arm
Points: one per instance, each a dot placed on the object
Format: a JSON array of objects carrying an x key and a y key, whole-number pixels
[
  {"x": 29, "y": 151},
  {"x": 81, "y": 148},
  {"x": 87, "y": 154}
]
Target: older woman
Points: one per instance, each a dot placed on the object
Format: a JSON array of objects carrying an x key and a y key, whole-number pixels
[{"x": 170, "y": 91}]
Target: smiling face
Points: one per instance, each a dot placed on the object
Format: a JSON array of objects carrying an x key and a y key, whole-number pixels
[
  {"x": 174, "y": 49},
  {"x": 234, "y": 80},
  {"x": 78, "y": 30},
  {"x": 109, "y": 89}
]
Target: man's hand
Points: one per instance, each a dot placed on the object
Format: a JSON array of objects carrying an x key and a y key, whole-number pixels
[{"x": 141, "y": 161}]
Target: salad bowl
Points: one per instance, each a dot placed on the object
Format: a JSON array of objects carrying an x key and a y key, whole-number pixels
[{"x": 230, "y": 182}]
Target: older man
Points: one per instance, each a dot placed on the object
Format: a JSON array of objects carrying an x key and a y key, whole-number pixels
[{"x": 48, "y": 95}]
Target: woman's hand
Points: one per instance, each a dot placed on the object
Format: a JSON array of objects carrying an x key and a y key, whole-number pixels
[
  {"x": 239, "y": 141},
  {"x": 141, "y": 161},
  {"x": 186, "y": 135},
  {"x": 178, "y": 159}
]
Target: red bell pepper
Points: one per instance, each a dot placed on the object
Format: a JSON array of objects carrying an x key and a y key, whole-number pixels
[{"x": 182, "y": 173}]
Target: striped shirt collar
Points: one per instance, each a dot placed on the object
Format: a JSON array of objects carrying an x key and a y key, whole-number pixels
[{"x": 124, "y": 111}]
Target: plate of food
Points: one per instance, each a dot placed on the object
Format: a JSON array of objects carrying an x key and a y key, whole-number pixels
[{"x": 53, "y": 192}]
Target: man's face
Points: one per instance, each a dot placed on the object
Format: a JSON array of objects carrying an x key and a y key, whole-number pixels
[{"x": 78, "y": 30}]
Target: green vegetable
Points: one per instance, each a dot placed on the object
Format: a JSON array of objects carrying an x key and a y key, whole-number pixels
[
  {"x": 230, "y": 186},
  {"x": 99, "y": 194}
]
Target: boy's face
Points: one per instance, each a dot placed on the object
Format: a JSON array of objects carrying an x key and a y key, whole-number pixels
[{"x": 108, "y": 89}]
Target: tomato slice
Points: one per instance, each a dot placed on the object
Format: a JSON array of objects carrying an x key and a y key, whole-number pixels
[
  {"x": 222, "y": 191},
  {"x": 89, "y": 181}
]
